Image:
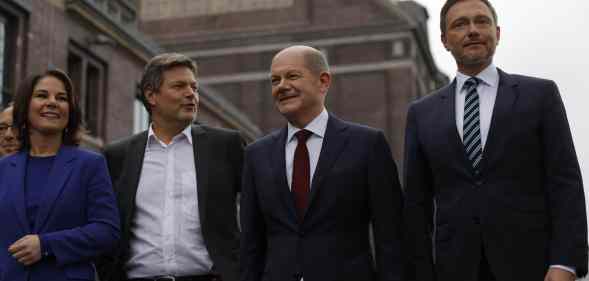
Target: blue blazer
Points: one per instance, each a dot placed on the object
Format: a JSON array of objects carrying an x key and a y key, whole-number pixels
[{"x": 78, "y": 219}]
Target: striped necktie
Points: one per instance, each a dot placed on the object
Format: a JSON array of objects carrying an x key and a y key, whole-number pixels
[{"x": 472, "y": 124}]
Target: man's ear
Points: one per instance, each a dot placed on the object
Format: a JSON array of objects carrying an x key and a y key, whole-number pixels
[
  {"x": 150, "y": 97},
  {"x": 443, "y": 39},
  {"x": 325, "y": 80}
]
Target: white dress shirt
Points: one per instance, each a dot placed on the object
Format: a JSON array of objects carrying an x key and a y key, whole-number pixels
[
  {"x": 487, "y": 90},
  {"x": 166, "y": 237},
  {"x": 317, "y": 126}
]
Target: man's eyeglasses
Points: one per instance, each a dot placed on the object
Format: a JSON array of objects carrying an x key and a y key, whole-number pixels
[{"x": 5, "y": 127}]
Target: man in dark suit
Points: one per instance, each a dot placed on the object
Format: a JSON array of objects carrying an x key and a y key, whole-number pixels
[
  {"x": 176, "y": 186},
  {"x": 491, "y": 173},
  {"x": 312, "y": 189}
]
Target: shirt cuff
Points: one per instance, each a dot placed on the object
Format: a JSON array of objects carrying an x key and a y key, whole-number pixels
[
  {"x": 46, "y": 250},
  {"x": 567, "y": 268}
]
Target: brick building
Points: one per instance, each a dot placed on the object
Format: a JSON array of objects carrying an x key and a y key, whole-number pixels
[
  {"x": 101, "y": 52},
  {"x": 97, "y": 42},
  {"x": 378, "y": 50}
]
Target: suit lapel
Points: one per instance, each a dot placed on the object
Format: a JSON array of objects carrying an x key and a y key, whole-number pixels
[
  {"x": 60, "y": 172},
  {"x": 333, "y": 144},
  {"x": 278, "y": 161},
  {"x": 448, "y": 96},
  {"x": 202, "y": 148},
  {"x": 16, "y": 185},
  {"x": 506, "y": 98},
  {"x": 130, "y": 175}
]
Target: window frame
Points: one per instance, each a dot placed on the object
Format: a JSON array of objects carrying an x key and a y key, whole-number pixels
[
  {"x": 15, "y": 20},
  {"x": 80, "y": 77}
]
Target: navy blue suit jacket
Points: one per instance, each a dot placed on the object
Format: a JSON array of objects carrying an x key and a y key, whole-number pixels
[
  {"x": 526, "y": 210},
  {"x": 78, "y": 218},
  {"x": 355, "y": 184}
]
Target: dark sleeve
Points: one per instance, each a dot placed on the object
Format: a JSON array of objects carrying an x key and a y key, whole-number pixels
[
  {"x": 106, "y": 263},
  {"x": 419, "y": 207},
  {"x": 253, "y": 240},
  {"x": 386, "y": 205},
  {"x": 102, "y": 230},
  {"x": 237, "y": 162},
  {"x": 238, "y": 145},
  {"x": 46, "y": 250},
  {"x": 563, "y": 183},
  {"x": 114, "y": 161}
]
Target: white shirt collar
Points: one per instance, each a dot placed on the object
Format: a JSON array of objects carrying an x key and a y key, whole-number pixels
[
  {"x": 489, "y": 76},
  {"x": 151, "y": 136},
  {"x": 317, "y": 126}
]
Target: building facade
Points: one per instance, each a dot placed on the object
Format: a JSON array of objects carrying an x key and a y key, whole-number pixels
[
  {"x": 95, "y": 41},
  {"x": 98, "y": 43},
  {"x": 378, "y": 52}
]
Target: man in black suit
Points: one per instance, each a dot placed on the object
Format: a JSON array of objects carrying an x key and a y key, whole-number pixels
[
  {"x": 491, "y": 172},
  {"x": 176, "y": 185},
  {"x": 312, "y": 189}
]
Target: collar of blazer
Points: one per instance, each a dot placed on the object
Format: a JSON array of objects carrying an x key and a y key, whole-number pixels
[
  {"x": 62, "y": 167},
  {"x": 506, "y": 81},
  {"x": 336, "y": 138},
  {"x": 507, "y": 95},
  {"x": 131, "y": 171}
]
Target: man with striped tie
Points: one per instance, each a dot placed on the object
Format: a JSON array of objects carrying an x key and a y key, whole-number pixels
[{"x": 493, "y": 186}]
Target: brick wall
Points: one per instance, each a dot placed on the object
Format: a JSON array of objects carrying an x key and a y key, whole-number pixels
[
  {"x": 52, "y": 30},
  {"x": 378, "y": 63}
]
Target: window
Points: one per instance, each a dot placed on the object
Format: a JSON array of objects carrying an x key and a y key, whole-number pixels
[
  {"x": 100, "y": 3},
  {"x": 159, "y": 9},
  {"x": 113, "y": 9},
  {"x": 128, "y": 17},
  {"x": 13, "y": 47},
  {"x": 140, "y": 117},
  {"x": 88, "y": 74}
]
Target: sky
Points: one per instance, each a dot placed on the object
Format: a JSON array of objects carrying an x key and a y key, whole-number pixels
[{"x": 543, "y": 38}]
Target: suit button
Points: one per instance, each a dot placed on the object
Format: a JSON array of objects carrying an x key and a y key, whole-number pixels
[
  {"x": 476, "y": 220},
  {"x": 301, "y": 233}
]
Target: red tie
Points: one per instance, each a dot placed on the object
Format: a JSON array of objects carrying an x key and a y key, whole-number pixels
[{"x": 301, "y": 173}]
